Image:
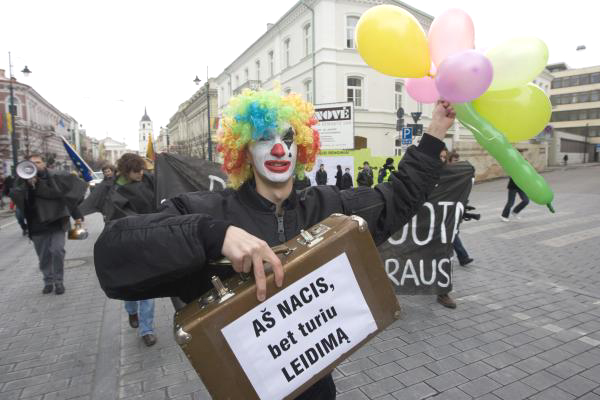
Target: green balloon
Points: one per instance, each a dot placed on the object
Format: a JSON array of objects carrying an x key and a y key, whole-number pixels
[{"x": 513, "y": 163}]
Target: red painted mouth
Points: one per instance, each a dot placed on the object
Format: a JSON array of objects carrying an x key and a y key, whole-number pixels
[{"x": 277, "y": 166}]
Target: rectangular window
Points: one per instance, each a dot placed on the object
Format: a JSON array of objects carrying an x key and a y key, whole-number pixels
[
  {"x": 229, "y": 87},
  {"x": 307, "y": 39},
  {"x": 271, "y": 66},
  {"x": 350, "y": 27},
  {"x": 595, "y": 77},
  {"x": 237, "y": 81},
  {"x": 286, "y": 53},
  {"x": 354, "y": 91},
  {"x": 398, "y": 95},
  {"x": 308, "y": 90},
  {"x": 246, "y": 74},
  {"x": 595, "y": 95},
  {"x": 584, "y": 79},
  {"x": 257, "y": 70}
]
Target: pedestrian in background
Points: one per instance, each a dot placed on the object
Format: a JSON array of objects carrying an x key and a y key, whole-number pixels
[
  {"x": 365, "y": 177},
  {"x": 566, "y": 159},
  {"x": 513, "y": 190},
  {"x": 386, "y": 170},
  {"x": 1, "y": 191},
  {"x": 322, "y": 175},
  {"x": 338, "y": 177},
  {"x": 108, "y": 170},
  {"x": 347, "y": 179},
  {"x": 47, "y": 205},
  {"x": 301, "y": 184},
  {"x": 8, "y": 184}
]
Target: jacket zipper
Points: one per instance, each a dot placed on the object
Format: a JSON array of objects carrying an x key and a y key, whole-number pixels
[{"x": 280, "y": 228}]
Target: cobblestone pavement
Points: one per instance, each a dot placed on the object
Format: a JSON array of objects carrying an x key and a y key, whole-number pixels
[{"x": 527, "y": 323}]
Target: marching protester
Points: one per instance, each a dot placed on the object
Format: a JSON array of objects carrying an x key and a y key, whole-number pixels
[
  {"x": 365, "y": 177},
  {"x": 386, "y": 170},
  {"x": 347, "y": 179},
  {"x": 47, "y": 200},
  {"x": 338, "y": 177},
  {"x": 459, "y": 249},
  {"x": 260, "y": 210},
  {"x": 129, "y": 192},
  {"x": 322, "y": 175},
  {"x": 1, "y": 191},
  {"x": 108, "y": 170}
]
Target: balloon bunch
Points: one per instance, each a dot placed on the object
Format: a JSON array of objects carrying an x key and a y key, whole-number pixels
[{"x": 491, "y": 91}]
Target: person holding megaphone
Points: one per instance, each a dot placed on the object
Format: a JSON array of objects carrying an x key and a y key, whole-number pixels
[{"x": 47, "y": 200}]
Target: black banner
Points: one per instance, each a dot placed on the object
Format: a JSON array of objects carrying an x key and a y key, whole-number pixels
[
  {"x": 176, "y": 174},
  {"x": 418, "y": 257}
]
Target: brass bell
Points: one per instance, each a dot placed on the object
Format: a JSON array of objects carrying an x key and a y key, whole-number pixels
[{"x": 78, "y": 232}]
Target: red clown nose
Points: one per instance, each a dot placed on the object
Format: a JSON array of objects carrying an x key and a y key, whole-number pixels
[{"x": 277, "y": 150}]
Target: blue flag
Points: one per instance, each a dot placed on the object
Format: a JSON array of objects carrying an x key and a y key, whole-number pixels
[{"x": 81, "y": 165}]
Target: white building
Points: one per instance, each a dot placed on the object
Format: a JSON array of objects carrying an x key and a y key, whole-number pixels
[
  {"x": 145, "y": 132},
  {"x": 111, "y": 150},
  {"x": 311, "y": 51}
]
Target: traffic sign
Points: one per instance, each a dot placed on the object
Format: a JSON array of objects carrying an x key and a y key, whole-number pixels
[{"x": 407, "y": 136}]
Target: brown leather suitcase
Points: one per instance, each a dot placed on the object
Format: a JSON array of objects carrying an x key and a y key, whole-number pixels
[{"x": 335, "y": 297}]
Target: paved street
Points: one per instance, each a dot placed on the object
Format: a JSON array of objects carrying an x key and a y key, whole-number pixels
[{"x": 527, "y": 324}]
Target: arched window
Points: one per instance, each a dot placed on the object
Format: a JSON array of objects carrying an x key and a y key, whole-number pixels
[
  {"x": 308, "y": 90},
  {"x": 307, "y": 36},
  {"x": 16, "y": 103}
]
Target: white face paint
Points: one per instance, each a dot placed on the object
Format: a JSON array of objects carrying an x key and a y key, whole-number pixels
[{"x": 274, "y": 158}]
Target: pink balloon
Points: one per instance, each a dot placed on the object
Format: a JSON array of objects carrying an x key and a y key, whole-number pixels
[
  {"x": 422, "y": 89},
  {"x": 450, "y": 32},
  {"x": 464, "y": 76}
]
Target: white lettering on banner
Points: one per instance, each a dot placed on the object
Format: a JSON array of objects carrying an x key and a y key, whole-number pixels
[
  {"x": 392, "y": 266},
  {"x": 431, "y": 225},
  {"x": 293, "y": 335},
  {"x": 458, "y": 212},
  {"x": 444, "y": 204}
]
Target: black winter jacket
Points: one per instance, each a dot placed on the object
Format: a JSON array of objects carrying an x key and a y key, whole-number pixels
[
  {"x": 165, "y": 254},
  {"x": 321, "y": 177}
]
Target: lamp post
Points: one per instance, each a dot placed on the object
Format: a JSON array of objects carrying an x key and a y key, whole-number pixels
[
  {"x": 12, "y": 111},
  {"x": 197, "y": 82}
]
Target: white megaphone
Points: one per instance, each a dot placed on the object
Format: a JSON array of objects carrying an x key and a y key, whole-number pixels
[{"x": 26, "y": 170}]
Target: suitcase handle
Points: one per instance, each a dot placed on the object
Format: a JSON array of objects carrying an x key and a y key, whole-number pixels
[{"x": 281, "y": 249}]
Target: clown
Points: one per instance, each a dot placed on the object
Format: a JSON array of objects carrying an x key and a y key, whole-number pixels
[{"x": 266, "y": 140}]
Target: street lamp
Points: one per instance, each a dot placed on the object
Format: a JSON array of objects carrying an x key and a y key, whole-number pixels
[
  {"x": 12, "y": 110},
  {"x": 197, "y": 82}
]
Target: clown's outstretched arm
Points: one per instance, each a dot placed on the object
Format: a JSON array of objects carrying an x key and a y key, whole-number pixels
[{"x": 390, "y": 205}]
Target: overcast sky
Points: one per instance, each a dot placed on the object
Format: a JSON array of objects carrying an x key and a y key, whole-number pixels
[{"x": 104, "y": 61}]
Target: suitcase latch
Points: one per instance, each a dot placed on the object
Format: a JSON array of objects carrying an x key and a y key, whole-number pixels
[
  {"x": 222, "y": 292},
  {"x": 312, "y": 236}
]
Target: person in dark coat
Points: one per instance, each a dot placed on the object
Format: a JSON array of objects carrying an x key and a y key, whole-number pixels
[
  {"x": 260, "y": 210},
  {"x": 338, "y": 177},
  {"x": 47, "y": 201},
  {"x": 365, "y": 177},
  {"x": 321, "y": 175},
  {"x": 347, "y": 179},
  {"x": 513, "y": 190}
]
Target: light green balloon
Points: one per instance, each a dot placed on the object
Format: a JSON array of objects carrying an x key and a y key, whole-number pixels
[
  {"x": 513, "y": 163},
  {"x": 517, "y": 62}
]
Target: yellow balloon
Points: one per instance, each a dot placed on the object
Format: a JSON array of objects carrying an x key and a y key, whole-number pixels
[
  {"x": 392, "y": 41},
  {"x": 519, "y": 113}
]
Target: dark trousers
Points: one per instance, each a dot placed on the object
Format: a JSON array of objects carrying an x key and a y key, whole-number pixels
[
  {"x": 20, "y": 218},
  {"x": 460, "y": 250},
  {"x": 50, "y": 248},
  {"x": 512, "y": 194}
]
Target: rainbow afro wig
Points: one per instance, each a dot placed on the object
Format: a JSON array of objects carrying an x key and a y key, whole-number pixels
[{"x": 251, "y": 116}]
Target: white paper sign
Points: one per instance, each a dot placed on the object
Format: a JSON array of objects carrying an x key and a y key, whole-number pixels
[
  {"x": 336, "y": 125},
  {"x": 293, "y": 335}
]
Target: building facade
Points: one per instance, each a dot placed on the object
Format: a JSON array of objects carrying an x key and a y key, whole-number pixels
[
  {"x": 111, "y": 150},
  {"x": 38, "y": 126},
  {"x": 162, "y": 141},
  {"x": 188, "y": 129},
  {"x": 145, "y": 131},
  {"x": 575, "y": 97},
  {"x": 311, "y": 51}
]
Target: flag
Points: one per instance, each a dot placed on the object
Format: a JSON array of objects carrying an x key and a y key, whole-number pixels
[
  {"x": 81, "y": 165},
  {"x": 150, "y": 149},
  {"x": 9, "y": 123}
]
